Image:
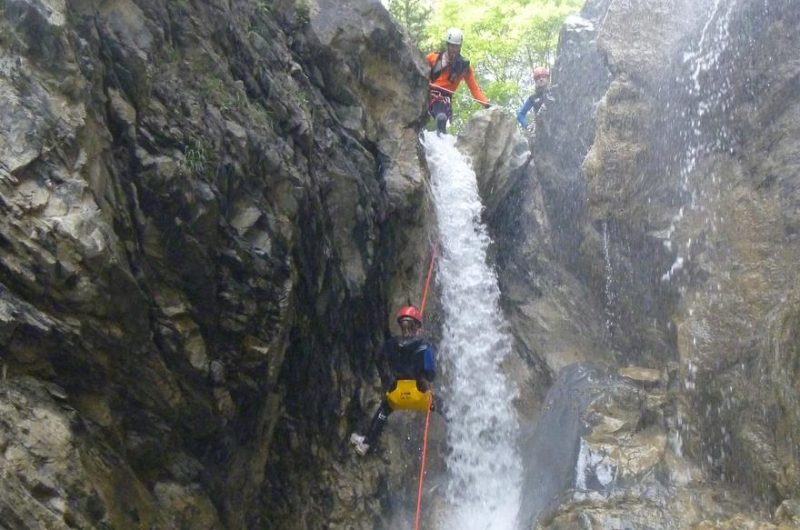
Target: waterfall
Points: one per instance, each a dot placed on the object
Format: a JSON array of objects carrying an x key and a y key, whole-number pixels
[
  {"x": 484, "y": 465},
  {"x": 705, "y": 98}
]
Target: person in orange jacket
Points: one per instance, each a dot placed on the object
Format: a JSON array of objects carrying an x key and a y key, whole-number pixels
[{"x": 448, "y": 69}]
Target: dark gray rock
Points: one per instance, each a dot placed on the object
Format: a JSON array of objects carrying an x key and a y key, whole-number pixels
[
  {"x": 198, "y": 202},
  {"x": 675, "y": 210}
]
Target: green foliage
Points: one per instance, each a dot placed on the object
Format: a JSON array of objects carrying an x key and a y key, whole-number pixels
[
  {"x": 303, "y": 13},
  {"x": 503, "y": 39},
  {"x": 413, "y": 15},
  {"x": 223, "y": 95}
]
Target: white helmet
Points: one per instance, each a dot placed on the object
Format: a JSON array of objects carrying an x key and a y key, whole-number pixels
[{"x": 455, "y": 36}]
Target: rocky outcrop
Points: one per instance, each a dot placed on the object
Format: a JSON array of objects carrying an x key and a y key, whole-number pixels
[
  {"x": 667, "y": 171},
  {"x": 704, "y": 185},
  {"x": 625, "y": 474},
  {"x": 196, "y": 196}
]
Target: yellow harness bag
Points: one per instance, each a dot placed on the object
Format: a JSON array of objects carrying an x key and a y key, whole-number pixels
[{"x": 406, "y": 396}]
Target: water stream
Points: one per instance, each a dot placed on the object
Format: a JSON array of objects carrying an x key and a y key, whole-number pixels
[
  {"x": 483, "y": 465},
  {"x": 707, "y": 95},
  {"x": 705, "y": 89}
]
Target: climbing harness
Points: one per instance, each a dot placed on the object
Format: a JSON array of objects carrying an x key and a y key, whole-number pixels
[
  {"x": 441, "y": 98},
  {"x": 434, "y": 87}
]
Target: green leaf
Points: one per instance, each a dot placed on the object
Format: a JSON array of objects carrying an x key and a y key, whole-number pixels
[{"x": 503, "y": 39}]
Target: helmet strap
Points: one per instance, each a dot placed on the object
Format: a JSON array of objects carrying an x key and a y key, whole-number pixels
[{"x": 409, "y": 327}]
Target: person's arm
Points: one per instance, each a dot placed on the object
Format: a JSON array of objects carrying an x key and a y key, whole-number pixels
[
  {"x": 474, "y": 89},
  {"x": 523, "y": 112},
  {"x": 429, "y": 362},
  {"x": 431, "y": 58},
  {"x": 426, "y": 366}
]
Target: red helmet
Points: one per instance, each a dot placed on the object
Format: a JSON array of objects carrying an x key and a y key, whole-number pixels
[
  {"x": 409, "y": 311},
  {"x": 539, "y": 72}
]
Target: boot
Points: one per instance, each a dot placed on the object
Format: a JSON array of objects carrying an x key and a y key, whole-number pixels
[
  {"x": 359, "y": 443},
  {"x": 441, "y": 123}
]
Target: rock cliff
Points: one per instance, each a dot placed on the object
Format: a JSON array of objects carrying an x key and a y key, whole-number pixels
[
  {"x": 664, "y": 185},
  {"x": 211, "y": 210},
  {"x": 198, "y": 200}
]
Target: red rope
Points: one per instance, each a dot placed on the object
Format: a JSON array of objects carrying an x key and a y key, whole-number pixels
[
  {"x": 452, "y": 93},
  {"x": 422, "y": 465},
  {"x": 430, "y": 396},
  {"x": 427, "y": 282}
]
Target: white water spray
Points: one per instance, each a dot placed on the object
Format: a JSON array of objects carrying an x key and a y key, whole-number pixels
[
  {"x": 710, "y": 99},
  {"x": 708, "y": 89},
  {"x": 611, "y": 296},
  {"x": 485, "y": 470}
]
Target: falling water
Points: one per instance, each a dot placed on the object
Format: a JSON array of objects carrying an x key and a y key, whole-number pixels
[
  {"x": 710, "y": 96},
  {"x": 706, "y": 87},
  {"x": 484, "y": 464},
  {"x": 609, "y": 287}
]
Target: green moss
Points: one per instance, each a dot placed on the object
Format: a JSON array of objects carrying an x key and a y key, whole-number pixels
[
  {"x": 225, "y": 95},
  {"x": 196, "y": 156},
  {"x": 170, "y": 53},
  {"x": 263, "y": 8},
  {"x": 303, "y": 13}
]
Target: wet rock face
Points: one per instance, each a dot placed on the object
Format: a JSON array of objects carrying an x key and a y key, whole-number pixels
[
  {"x": 618, "y": 430},
  {"x": 195, "y": 197},
  {"x": 684, "y": 204},
  {"x": 661, "y": 199},
  {"x": 729, "y": 240},
  {"x": 744, "y": 366}
]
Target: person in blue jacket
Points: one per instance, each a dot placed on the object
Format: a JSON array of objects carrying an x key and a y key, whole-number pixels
[
  {"x": 408, "y": 356},
  {"x": 537, "y": 100}
]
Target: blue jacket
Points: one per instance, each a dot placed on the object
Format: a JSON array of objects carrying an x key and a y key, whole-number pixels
[
  {"x": 407, "y": 359},
  {"x": 536, "y": 101}
]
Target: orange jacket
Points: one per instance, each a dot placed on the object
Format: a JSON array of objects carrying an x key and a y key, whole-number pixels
[{"x": 443, "y": 80}]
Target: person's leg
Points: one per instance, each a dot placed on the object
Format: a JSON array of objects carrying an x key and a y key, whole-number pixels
[
  {"x": 440, "y": 111},
  {"x": 439, "y": 108},
  {"x": 378, "y": 422},
  {"x": 363, "y": 443}
]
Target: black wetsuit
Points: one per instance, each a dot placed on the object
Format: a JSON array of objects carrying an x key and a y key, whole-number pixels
[{"x": 401, "y": 358}]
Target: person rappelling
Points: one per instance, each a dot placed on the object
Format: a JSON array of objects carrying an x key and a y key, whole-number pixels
[
  {"x": 448, "y": 69},
  {"x": 407, "y": 367}
]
